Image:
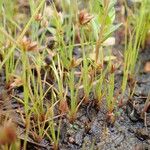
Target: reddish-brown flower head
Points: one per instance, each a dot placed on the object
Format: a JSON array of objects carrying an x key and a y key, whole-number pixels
[
  {"x": 84, "y": 17},
  {"x": 8, "y": 133},
  {"x": 28, "y": 45}
]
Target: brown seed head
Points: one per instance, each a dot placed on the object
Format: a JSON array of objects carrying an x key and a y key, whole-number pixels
[
  {"x": 63, "y": 106},
  {"x": 38, "y": 17},
  {"x": 8, "y": 133},
  {"x": 44, "y": 23},
  {"x": 84, "y": 17},
  {"x": 28, "y": 45},
  {"x": 75, "y": 62}
]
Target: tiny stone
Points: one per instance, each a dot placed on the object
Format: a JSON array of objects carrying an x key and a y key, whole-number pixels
[{"x": 71, "y": 140}]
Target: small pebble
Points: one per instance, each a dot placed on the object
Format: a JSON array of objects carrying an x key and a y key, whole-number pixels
[{"x": 71, "y": 140}]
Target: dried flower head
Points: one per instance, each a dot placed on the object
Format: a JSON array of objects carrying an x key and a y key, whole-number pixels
[
  {"x": 63, "y": 106},
  {"x": 8, "y": 133},
  {"x": 38, "y": 17},
  {"x": 28, "y": 45},
  {"x": 84, "y": 17},
  {"x": 15, "y": 81},
  {"x": 44, "y": 23},
  {"x": 75, "y": 62}
]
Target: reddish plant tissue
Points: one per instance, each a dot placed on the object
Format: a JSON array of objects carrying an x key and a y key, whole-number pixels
[
  {"x": 63, "y": 106},
  {"x": 84, "y": 17},
  {"x": 8, "y": 133},
  {"x": 28, "y": 45}
]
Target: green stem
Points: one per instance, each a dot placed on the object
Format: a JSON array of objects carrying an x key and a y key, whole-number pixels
[{"x": 100, "y": 39}]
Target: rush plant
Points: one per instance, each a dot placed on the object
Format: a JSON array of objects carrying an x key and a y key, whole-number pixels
[
  {"x": 86, "y": 78},
  {"x": 100, "y": 88},
  {"x": 133, "y": 43},
  {"x": 53, "y": 130},
  {"x": 74, "y": 102},
  {"x": 61, "y": 92}
]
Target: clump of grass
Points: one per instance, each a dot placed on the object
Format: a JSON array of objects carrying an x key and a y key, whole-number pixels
[
  {"x": 74, "y": 102},
  {"x": 146, "y": 19},
  {"x": 86, "y": 78},
  {"x": 53, "y": 129},
  {"x": 132, "y": 45},
  {"x": 100, "y": 89},
  {"x": 59, "y": 74},
  {"x": 58, "y": 31},
  {"x": 73, "y": 97}
]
